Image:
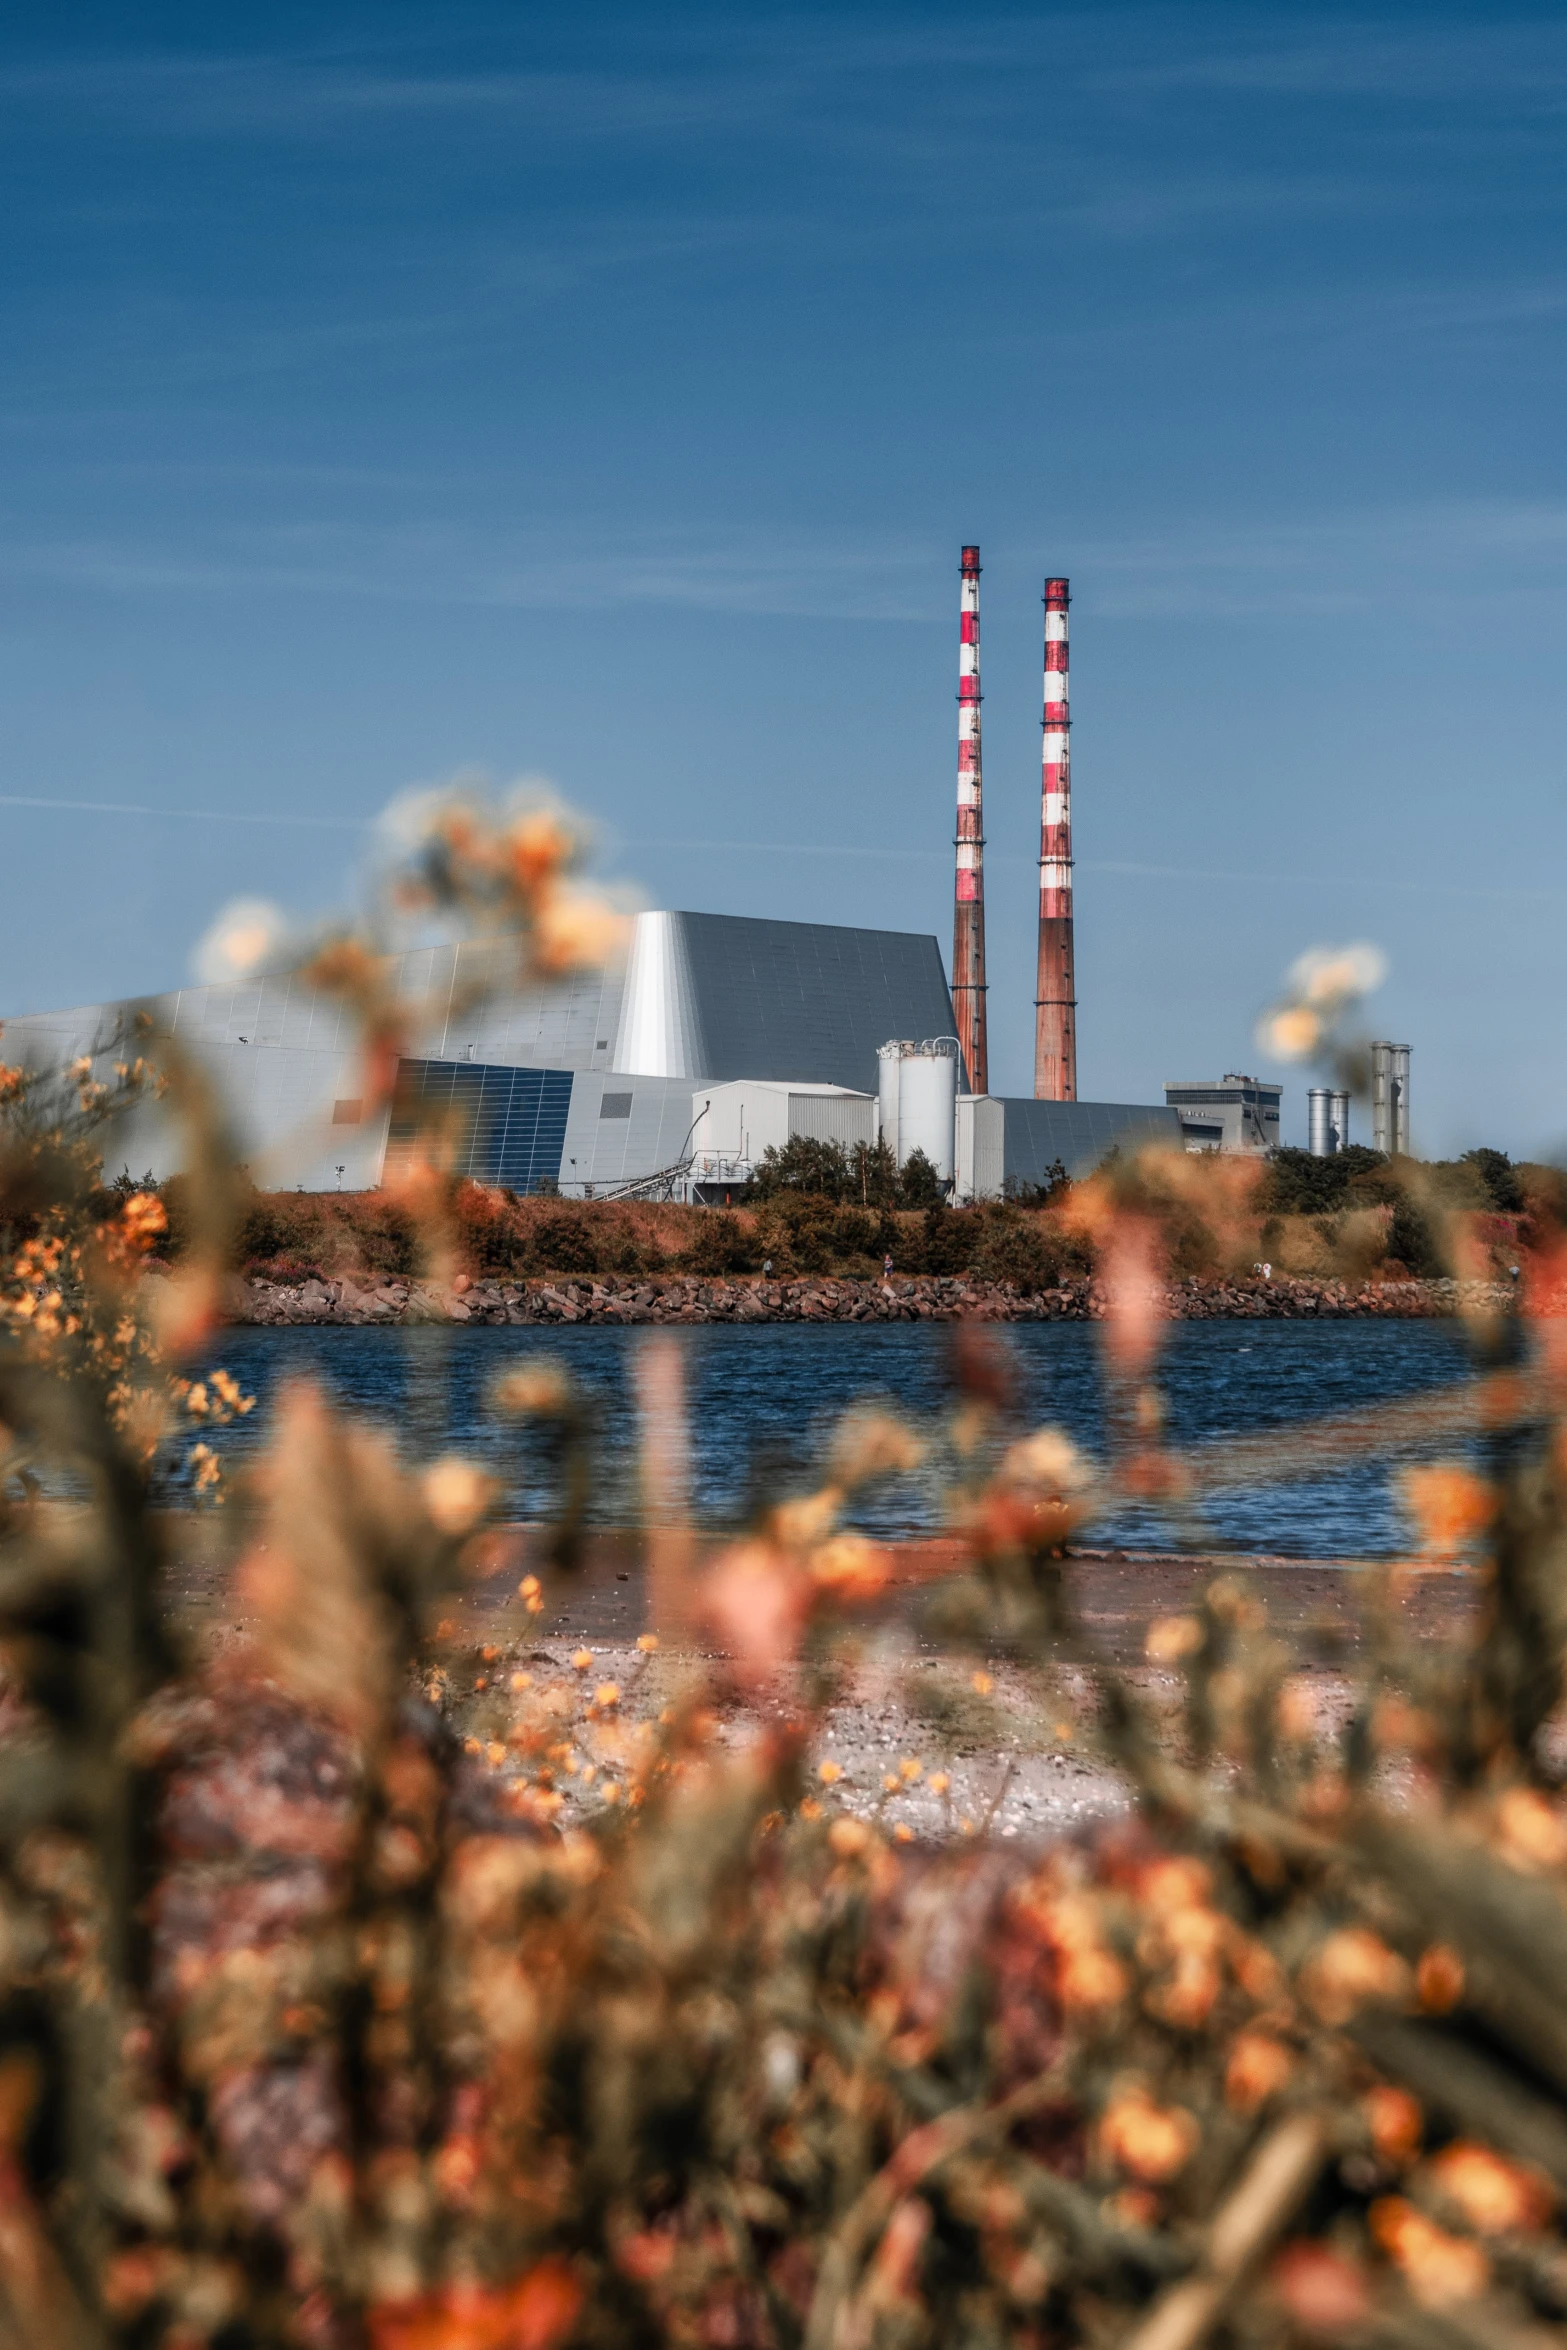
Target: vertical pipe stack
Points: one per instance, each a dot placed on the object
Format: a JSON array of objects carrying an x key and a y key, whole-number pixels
[
  {"x": 1055, "y": 995},
  {"x": 1320, "y": 1138},
  {"x": 1390, "y": 1098},
  {"x": 1381, "y": 1087},
  {"x": 968, "y": 912},
  {"x": 1402, "y": 1146}
]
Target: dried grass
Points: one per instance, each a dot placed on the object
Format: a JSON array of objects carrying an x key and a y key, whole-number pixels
[{"x": 326, "y": 2020}]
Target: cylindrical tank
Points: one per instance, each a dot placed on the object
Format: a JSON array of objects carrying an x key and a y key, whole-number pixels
[
  {"x": 1341, "y": 1121},
  {"x": 1401, "y": 1143},
  {"x": 1320, "y": 1138},
  {"x": 1381, "y": 1095},
  {"x": 928, "y": 1104},
  {"x": 889, "y": 1060}
]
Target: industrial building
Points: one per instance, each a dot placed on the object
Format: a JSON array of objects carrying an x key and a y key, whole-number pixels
[
  {"x": 584, "y": 1083},
  {"x": 1004, "y": 1146},
  {"x": 715, "y": 1037},
  {"x": 591, "y": 1084},
  {"x": 1230, "y": 1114}
]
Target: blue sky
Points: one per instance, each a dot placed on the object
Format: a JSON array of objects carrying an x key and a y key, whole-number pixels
[{"x": 604, "y": 393}]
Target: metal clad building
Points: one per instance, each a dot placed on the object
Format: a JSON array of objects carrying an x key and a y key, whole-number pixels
[
  {"x": 613, "y": 1054},
  {"x": 1004, "y": 1143},
  {"x": 722, "y": 996},
  {"x": 1233, "y": 1114}
]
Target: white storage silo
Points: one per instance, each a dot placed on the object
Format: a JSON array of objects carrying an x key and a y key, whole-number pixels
[
  {"x": 889, "y": 1060},
  {"x": 917, "y": 1091}
]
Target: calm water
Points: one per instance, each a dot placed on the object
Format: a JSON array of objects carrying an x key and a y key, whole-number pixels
[{"x": 760, "y": 1396}]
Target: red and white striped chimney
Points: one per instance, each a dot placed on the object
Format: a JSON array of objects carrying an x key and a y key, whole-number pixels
[
  {"x": 968, "y": 912},
  {"x": 1055, "y": 1000}
]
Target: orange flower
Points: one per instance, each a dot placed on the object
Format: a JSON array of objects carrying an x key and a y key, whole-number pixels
[
  {"x": 1258, "y": 2069},
  {"x": 1324, "y": 2293},
  {"x": 1173, "y": 1885},
  {"x": 1151, "y": 2142},
  {"x": 1169, "y": 1638},
  {"x": 1087, "y": 1974},
  {"x": 537, "y": 847},
  {"x": 1090, "y": 1977},
  {"x": 1134, "y": 1295},
  {"x": 576, "y": 934},
  {"x": 1437, "y": 2267},
  {"x": 1495, "y": 2196},
  {"x": 850, "y": 1568},
  {"x": 1351, "y": 1967},
  {"x": 142, "y": 1219},
  {"x": 534, "y": 2314},
  {"x": 1439, "y": 1979},
  {"x": 1450, "y": 1505},
  {"x": 755, "y": 1601},
  {"x": 1395, "y": 2122},
  {"x": 456, "y": 1495},
  {"x": 1533, "y": 1834}
]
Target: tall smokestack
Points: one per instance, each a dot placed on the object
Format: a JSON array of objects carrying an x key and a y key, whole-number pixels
[
  {"x": 1055, "y": 998},
  {"x": 968, "y": 912}
]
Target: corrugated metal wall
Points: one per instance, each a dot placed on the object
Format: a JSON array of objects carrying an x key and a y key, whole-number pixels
[{"x": 833, "y": 1117}]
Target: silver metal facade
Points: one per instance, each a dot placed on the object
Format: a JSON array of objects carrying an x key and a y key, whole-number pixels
[
  {"x": 1010, "y": 1143},
  {"x": 1080, "y": 1134},
  {"x": 1231, "y": 1113},
  {"x": 700, "y": 996},
  {"x": 1390, "y": 1098},
  {"x": 723, "y": 996}
]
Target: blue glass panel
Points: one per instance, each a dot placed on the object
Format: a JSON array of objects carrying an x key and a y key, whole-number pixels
[{"x": 512, "y": 1122}]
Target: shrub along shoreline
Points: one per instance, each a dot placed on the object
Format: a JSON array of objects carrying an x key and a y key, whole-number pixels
[{"x": 369, "y": 1238}]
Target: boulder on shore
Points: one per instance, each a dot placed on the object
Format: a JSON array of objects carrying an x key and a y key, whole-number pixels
[{"x": 922, "y": 1297}]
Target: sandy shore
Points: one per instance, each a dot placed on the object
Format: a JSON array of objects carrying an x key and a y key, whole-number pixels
[{"x": 1016, "y": 1760}]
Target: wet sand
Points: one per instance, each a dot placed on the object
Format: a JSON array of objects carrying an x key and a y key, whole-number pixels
[
  {"x": 1117, "y": 1593},
  {"x": 1018, "y": 1764}
]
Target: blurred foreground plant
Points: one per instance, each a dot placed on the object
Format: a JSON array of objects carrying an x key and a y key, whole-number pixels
[{"x": 365, "y": 1983}]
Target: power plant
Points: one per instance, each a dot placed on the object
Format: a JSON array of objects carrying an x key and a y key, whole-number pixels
[{"x": 714, "y": 1037}]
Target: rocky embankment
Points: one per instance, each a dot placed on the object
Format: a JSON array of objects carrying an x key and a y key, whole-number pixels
[{"x": 921, "y": 1297}]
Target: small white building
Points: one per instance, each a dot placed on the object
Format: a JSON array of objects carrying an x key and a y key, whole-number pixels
[{"x": 733, "y": 1124}]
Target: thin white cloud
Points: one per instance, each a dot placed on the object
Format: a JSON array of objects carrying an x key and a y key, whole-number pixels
[
  {"x": 1365, "y": 53},
  {"x": 1414, "y": 559},
  {"x": 882, "y": 577}
]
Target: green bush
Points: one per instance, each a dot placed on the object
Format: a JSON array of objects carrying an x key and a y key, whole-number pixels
[
  {"x": 855, "y": 1233},
  {"x": 565, "y": 1244},
  {"x": 919, "y": 1183},
  {"x": 489, "y": 1232},
  {"x": 873, "y": 1175},
  {"x": 720, "y": 1244},
  {"x": 949, "y": 1238},
  {"x": 803, "y": 1164},
  {"x": 1015, "y": 1249},
  {"x": 1296, "y": 1184}
]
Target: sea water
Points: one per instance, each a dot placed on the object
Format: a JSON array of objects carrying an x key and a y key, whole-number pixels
[{"x": 761, "y": 1399}]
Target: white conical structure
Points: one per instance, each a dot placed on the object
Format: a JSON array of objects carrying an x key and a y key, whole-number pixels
[{"x": 660, "y": 1033}]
